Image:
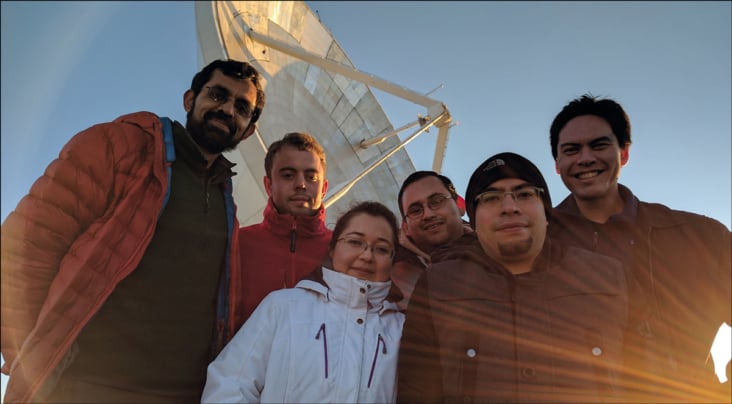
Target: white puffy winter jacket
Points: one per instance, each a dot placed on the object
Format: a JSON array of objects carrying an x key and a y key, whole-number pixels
[{"x": 313, "y": 343}]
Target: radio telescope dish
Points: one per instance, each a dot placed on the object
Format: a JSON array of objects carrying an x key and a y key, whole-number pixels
[{"x": 312, "y": 87}]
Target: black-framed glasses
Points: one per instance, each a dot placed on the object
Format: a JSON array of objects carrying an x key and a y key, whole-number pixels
[
  {"x": 221, "y": 96},
  {"x": 382, "y": 250},
  {"x": 495, "y": 198},
  {"x": 434, "y": 202}
]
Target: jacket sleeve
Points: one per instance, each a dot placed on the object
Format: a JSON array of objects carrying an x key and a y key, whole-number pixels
[
  {"x": 419, "y": 369},
  {"x": 238, "y": 374},
  {"x": 72, "y": 193},
  {"x": 712, "y": 244},
  {"x": 725, "y": 273}
]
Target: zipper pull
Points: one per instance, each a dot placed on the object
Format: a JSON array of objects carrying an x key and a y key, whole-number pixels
[
  {"x": 321, "y": 330},
  {"x": 379, "y": 341},
  {"x": 293, "y": 236}
]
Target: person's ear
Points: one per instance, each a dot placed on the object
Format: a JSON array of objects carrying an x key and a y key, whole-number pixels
[
  {"x": 249, "y": 131},
  {"x": 625, "y": 154},
  {"x": 188, "y": 100},
  {"x": 267, "y": 185},
  {"x": 404, "y": 228},
  {"x": 325, "y": 188}
]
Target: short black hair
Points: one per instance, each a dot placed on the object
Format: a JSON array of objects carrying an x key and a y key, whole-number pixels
[
  {"x": 238, "y": 70},
  {"x": 588, "y": 104},
  {"x": 418, "y": 175}
]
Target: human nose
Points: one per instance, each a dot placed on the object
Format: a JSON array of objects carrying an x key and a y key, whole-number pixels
[
  {"x": 228, "y": 106},
  {"x": 511, "y": 205},
  {"x": 300, "y": 180},
  {"x": 428, "y": 211},
  {"x": 368, "y": 252},
  {"x": 586, "y": 156}
]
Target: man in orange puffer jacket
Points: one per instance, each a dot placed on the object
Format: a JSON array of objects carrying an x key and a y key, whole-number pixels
[{"x": 121, "y": 253}]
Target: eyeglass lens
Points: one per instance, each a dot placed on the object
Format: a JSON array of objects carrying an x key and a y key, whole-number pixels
[
  {"x": 222, "y": 96},
  {"x": 361, "y": 245},
  {"x": 434, "y": 202},
  {"x": 524, "y": 194}
]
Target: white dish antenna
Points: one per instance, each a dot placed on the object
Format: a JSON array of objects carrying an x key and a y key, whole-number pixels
[{"x": 313, "y": 87}]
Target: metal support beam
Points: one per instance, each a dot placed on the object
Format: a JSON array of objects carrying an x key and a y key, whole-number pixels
[
  {"x": 434, "y": 108},
  {"x": 347, "y": 71},
  {"x": 365, "y": 144},
  {"x": 342, "y": 190}
]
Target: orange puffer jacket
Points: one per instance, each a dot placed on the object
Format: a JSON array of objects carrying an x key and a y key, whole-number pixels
[{"x": 82, "y": 228}]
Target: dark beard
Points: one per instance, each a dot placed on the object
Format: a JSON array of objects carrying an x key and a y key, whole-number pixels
[
  {"x": 515, "y": 248},
  {"x": 211, "y": 138}
]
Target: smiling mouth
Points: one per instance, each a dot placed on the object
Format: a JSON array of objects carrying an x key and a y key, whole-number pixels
[
  {"x": 364, "y": 270},
  {"x": 588, "y": 174},
  {"x": 432, "y": 226},
  {"x": 219, "y": 124}
]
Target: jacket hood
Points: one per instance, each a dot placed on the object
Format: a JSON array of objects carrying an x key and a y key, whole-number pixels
[{"x": 394, "y": 295}]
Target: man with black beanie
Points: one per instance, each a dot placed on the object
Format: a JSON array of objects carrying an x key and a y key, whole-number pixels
[{"x": 506, "y": 315}]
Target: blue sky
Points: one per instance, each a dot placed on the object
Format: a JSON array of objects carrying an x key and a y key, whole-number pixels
[{"x": 507, "y": 69}]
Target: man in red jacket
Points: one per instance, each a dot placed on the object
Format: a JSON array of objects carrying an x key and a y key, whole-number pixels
[
  {"x": 292, "y": 239},
  {"x": 115, "y": 266}
]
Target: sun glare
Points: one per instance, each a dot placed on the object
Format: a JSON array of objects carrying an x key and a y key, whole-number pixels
[{"x": 722, "y": 351}]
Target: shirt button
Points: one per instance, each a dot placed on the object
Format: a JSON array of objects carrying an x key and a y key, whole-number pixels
[
  {"x": 359, "y": 321},
  {"x": 597, "y": 351},
  {"x": 362, "y": 290},
  {"x": 471, "y": 353},
  {"x": 528, "y": 372}
]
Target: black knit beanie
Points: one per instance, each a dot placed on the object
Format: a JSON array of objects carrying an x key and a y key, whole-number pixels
[{"x": 498, "y": 167}]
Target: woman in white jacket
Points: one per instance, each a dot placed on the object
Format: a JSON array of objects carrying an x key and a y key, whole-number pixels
[{"x": 334, "y": 337}]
